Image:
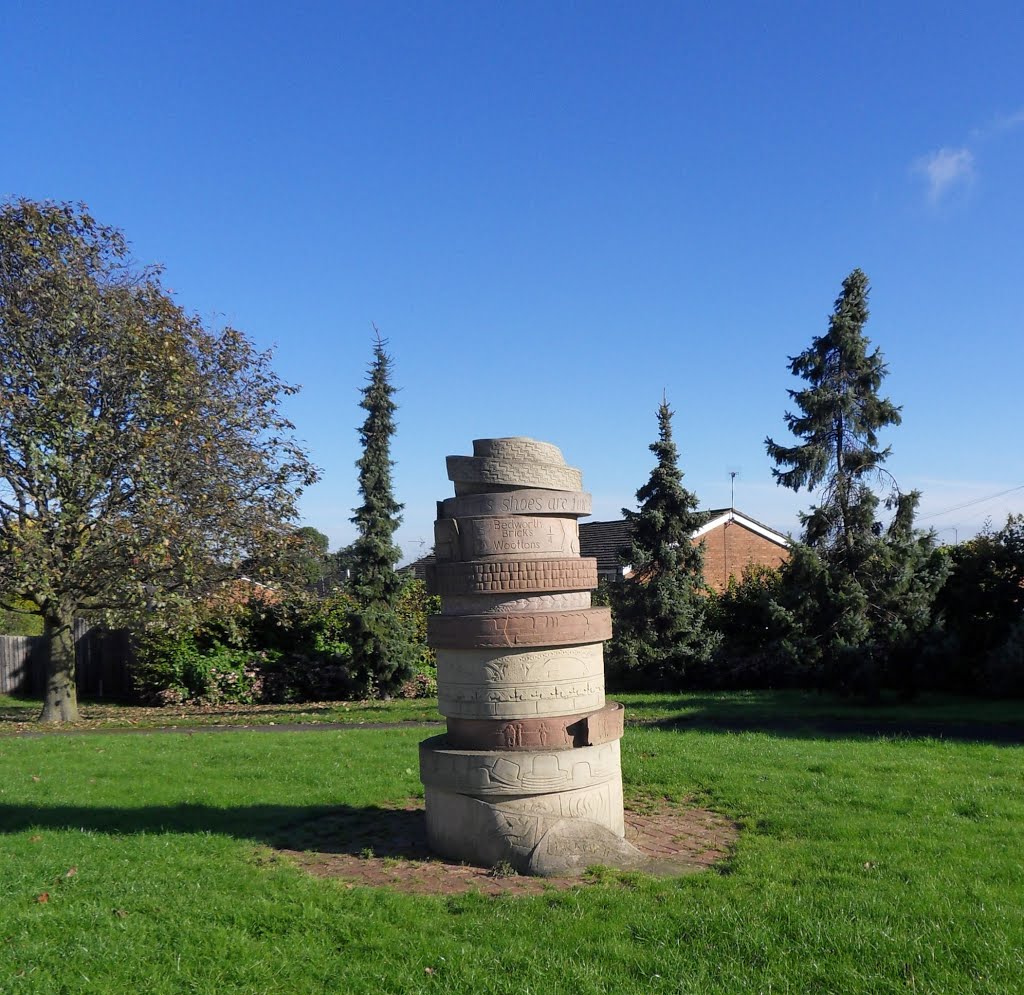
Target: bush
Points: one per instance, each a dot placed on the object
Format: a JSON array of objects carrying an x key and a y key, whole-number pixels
[
  {"x": 300, "y": 649},
  {"x": 170, "y": 671},
  {"x": 980, "y": 608},
  {"x": 761, "y": 643},
  {"x": 420, "y": 685}
]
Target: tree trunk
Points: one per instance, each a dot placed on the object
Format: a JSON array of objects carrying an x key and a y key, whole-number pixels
[{"x": 60, "y": 701}]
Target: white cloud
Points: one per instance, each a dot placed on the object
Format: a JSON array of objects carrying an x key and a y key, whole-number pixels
[
  {"x": 1006, "y": 122},
  {"x": 946, "y": 169}
]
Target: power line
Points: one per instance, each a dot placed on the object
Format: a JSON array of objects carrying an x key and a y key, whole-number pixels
[{"x": 968, "y": 504}]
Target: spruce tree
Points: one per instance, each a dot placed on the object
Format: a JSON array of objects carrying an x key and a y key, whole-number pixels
[
  {"x": 860, "y": 593},
  {"x": 383, "y": 646},
  {"x": 374, "y": 553},
  {"x": 840, "y": 415},
  {"x": 661, "y": 611}
]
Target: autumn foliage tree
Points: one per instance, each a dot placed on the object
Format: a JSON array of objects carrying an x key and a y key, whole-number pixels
[{"x": 142, "y": 456}]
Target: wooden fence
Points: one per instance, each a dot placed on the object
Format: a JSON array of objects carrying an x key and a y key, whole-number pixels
[{"x": 102, "y": 659}]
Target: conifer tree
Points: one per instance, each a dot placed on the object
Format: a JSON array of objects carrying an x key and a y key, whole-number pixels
[
  {"x": 374, "y": 553},
  {"x": 660, "y": 612},
  {"x": 860, "y": 593},
  {"x": 383, "y": 645},
  {"x": 840, "y": 415}
]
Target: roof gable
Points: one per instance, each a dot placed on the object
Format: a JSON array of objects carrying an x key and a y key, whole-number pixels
[{"x": 605, "y": 540}]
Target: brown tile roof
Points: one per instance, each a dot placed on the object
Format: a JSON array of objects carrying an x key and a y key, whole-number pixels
[{"x": 605, "y": 540}]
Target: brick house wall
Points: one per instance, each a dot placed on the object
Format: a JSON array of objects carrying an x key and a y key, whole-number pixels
[
  {"x": 731, "y": 546},
  {"x": 732, "y": 542}
]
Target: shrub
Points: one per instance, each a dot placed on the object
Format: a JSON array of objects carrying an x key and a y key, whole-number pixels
[
  {"x": 421, "y": 685},
  {"x": 170, "y": 671},
  {"x": 299, "y": 649}
]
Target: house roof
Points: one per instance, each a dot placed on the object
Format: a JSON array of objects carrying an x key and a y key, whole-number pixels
[
  {"x": 717, "y": 518},
  {"x": 605, "y": 540},
  {"x": 418, "y": 567}
]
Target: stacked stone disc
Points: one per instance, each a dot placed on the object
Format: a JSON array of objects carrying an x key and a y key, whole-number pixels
[{"x": 528, "y": 773}]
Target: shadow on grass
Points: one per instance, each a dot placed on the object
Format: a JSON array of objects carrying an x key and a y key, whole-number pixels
[
  {"x": 802, "y": 716},
  {"x": 342, "y": 829}
]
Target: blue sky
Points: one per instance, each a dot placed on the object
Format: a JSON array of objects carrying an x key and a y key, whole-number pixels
[{"x": 555, "y": 211}]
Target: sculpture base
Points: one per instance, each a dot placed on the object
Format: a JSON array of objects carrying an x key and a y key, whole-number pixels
[{"x": 541, "y": 832}]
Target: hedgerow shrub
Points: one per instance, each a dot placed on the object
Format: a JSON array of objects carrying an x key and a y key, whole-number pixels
[{"x": 303, "y": 648}]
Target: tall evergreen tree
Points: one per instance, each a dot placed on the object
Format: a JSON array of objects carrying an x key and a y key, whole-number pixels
[
  {"x": 374, "y": 553},
  {"x": 860, "y": 593},
  {"x": 840, "y": 416},
  {"x": 661, "y": 612},
  {"x": 383, "y": 644}
]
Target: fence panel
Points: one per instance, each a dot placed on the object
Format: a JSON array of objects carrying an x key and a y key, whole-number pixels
[
  {"x": 17, "y": 654},
  {"x": 101, "y": 662}
]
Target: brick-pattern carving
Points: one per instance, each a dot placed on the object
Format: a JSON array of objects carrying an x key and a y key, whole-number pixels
[
  {"x": 501, "y": 576},
  {"x": 527, "y": 629},
  {"x": 485, "y": 470},
  {"x": 529, "y": 770},
  {"x": 519, "y": 449}
]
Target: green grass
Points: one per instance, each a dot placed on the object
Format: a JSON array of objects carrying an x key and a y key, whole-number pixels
[
  {"x": 809, "y": 708},
  {"x": 778, "y": 711},
  {"x": 18, "y": 714},
  {"x": 865, "y": 864}
]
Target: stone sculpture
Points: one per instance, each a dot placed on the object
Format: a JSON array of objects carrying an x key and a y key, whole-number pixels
[{"x": 528, "y": 772}]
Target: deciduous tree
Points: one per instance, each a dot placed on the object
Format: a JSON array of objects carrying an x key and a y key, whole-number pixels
[{"x": 142, "y": 456}]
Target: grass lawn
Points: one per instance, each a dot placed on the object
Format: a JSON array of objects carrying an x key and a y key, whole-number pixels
[
  {"x": 805, "y": 712},
  {"x": 18, "y": 714},
  {"x": 865, "y": 864}
]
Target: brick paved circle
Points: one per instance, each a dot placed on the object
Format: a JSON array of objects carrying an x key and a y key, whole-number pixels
[{"x": 387, "y": 848}]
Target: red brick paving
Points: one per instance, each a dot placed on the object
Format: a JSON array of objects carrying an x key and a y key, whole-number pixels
[{"x": 388, "y": 848}]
